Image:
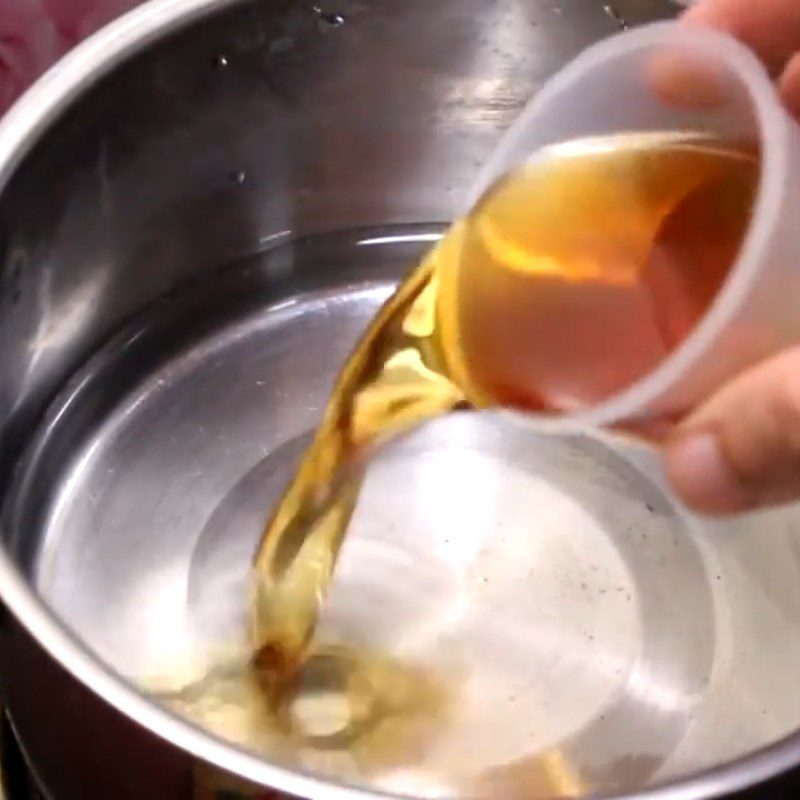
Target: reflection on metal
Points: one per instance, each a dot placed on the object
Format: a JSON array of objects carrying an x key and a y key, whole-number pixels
[{"x": 130, "y": 192}]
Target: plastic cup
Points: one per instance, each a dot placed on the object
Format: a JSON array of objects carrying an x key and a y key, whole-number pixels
[{"x": 632, "y": 82}]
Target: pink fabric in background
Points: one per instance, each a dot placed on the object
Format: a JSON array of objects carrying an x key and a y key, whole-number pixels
[{"x": 35, "y": 33}]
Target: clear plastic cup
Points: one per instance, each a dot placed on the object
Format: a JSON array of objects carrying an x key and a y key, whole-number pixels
[{"x": 621, "y": 85}]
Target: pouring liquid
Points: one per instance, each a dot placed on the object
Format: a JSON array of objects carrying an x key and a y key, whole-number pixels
[{"x": 574, "y": 276}]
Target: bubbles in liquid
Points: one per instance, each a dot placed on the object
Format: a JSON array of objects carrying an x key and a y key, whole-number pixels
[
  {"x": 342, "y": 696},
  {"x": 344, "y": 711}
]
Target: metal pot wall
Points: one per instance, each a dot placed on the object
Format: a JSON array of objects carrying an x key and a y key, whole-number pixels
[{"x": 187, "y": 135}]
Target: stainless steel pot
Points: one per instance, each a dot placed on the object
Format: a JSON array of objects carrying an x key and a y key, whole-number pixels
[{"x": 191, "y": 134}]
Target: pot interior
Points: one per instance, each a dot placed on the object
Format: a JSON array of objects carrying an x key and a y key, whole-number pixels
[{"x": 224, "y": 214}]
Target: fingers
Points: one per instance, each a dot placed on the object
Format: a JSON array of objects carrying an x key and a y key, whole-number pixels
[
  {"x": 741, "y": 450},
  {"x": 770, "y": 27}
]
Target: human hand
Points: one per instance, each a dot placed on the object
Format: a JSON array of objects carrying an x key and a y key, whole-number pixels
[{"x": 741, "y": 449}]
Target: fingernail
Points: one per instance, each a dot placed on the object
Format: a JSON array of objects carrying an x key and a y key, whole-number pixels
[{"x": 703, "y": 476}]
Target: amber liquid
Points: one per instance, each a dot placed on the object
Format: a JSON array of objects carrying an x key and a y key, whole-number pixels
[{"x": 573, "y": 277}]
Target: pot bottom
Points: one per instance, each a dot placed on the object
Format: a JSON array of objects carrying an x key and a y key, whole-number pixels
[{"x": 595, "y": 637}]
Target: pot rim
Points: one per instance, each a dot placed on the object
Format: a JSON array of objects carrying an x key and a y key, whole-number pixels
[{"x": 24, "y": 125}]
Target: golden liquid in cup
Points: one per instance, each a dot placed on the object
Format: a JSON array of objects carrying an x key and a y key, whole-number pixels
[{"x": 574, "y": 276}]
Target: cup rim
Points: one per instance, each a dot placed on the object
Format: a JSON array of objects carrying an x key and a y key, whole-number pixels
[{"x": 774, "y": 131}]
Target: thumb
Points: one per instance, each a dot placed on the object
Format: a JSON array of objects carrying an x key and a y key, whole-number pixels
[{"x": 741, "y": 449}]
